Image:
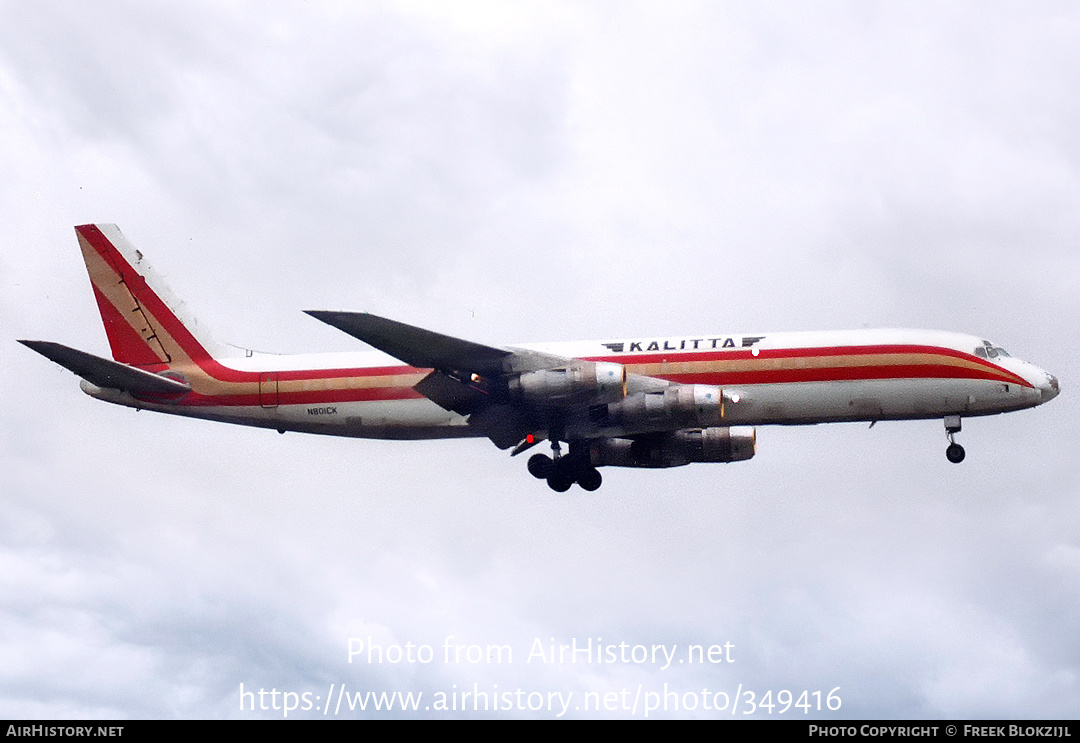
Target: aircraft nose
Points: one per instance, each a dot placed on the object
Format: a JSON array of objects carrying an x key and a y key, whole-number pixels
[{"x": 1049, "y": 387}]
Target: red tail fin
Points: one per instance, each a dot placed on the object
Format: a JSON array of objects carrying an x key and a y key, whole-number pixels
[{"x": 143, "y": 322}]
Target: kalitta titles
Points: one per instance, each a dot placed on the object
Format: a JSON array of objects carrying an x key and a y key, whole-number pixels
[{"x": 684, "y": 344}]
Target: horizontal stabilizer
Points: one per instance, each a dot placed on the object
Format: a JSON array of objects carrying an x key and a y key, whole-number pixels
[
  {"x": 106, "y": 373},
  {"x": 417, "y": 347}
]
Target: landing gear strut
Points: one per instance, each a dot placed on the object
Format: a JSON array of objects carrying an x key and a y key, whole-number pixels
[
  {"x": 561, "y": 472},
  {"x": 954, "y": 453}
]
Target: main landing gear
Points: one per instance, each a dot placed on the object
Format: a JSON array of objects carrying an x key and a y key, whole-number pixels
[
  {"x": 563, "y": 471},
  {"x": 954, "y": 453}
]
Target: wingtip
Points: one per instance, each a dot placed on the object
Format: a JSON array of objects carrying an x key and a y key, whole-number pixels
[{"x": 48, "y": 349}]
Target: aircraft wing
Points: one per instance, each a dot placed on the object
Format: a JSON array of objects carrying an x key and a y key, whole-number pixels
[
  {"x": 426, "y": 349},
  {"x": 468, "y": 378},
  {"x": 106, "y": 373},
  {"x": 517, "y": 396},
  {"x": 417, "y": 347}
]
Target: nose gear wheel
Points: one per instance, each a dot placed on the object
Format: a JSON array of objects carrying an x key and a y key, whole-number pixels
[{"x": 954, "y": 452}]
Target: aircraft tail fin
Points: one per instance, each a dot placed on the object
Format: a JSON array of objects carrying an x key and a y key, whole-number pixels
[{"x": 146, "y": 326}]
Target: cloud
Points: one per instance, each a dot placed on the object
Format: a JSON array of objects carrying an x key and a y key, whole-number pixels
[{"x": 546, "y": 172}]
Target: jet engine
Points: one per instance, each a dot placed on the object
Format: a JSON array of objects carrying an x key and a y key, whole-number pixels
[
  {"x": 677, "y": 406},
  {"x": 599, "y": 381},
  {"x": 676, "y": 448}
]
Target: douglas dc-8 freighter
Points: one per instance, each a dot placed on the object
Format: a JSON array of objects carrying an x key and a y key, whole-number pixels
[{"x": 631, "y": 402}]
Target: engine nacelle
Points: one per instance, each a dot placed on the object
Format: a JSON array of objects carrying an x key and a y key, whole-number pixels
[
  {"x": 678, "y": 406},
  {"x": 676, "y": 448},
  {"x": 599, "y": 381}
]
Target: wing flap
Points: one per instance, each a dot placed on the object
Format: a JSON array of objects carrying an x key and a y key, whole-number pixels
[
  {"x": 451, "y": 394},
  {"x": 106, "y": 373}
]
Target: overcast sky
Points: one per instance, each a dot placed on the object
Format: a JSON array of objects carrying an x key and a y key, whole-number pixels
[{"x": 525, "y": 172}]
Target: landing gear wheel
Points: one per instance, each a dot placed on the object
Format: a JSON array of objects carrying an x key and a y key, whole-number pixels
[
  {"x": 560, "y": 483},
  {"x": 540, "y": 466},
  {"x": 590, "y": 479},
  {"x": 955, "y": 453},
  {"x": 564, "y": 472}
]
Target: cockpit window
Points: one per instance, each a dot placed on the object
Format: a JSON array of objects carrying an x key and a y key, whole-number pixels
[{"x": 989, "y": 351}]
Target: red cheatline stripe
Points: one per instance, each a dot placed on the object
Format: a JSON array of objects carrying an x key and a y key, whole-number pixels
[
  {"x": 780, "y": 353},
  {"x": 366, "y": 371},
  {"x": 789, "y": 353},
  {"x": 366, "y": 394},
  {"x": 720, "y": 379},
  {"x": 717, "y": 358},
  {"x": 836, "y": 374}
]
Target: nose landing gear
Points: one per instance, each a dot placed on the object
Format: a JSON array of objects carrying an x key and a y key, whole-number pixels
[{"x": 954, "y": 452}]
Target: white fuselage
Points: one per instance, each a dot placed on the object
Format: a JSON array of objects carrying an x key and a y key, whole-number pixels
[{"x": 768, "y": 378}]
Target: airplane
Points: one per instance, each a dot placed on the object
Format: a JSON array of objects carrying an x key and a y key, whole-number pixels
[{"x": 631, "y": 402}]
